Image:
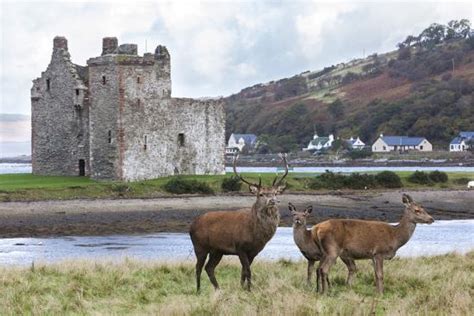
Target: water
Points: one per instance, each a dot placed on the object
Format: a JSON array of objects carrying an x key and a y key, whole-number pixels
[
  {"x": 26, "y": 168},
  {"x": 439, "y": 238}
]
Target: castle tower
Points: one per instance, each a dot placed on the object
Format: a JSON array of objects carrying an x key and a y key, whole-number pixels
[{"x": 60, "y": 116}]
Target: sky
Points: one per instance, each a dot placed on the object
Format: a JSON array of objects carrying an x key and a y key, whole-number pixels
[{"x": 217, "y": 47}]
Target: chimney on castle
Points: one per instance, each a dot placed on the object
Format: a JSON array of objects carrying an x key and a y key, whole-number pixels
[
  {"x": 60, "y": 42},
  {"x": 109, "y": 45}
]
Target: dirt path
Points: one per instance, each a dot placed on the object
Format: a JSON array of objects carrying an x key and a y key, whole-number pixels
[{"x": 100, "y": 217}]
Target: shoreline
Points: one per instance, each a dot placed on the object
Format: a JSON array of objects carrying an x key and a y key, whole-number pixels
[{"x": 175, "y": 213}]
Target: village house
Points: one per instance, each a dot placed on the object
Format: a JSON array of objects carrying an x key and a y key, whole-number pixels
[
  {"x": 319, "y": 143},
  {"x": 355, "y": 143},
  {"x": 237, "y": 143},
  {"x": 401, "y": 143},
  {"x": 462, "y": 142}
]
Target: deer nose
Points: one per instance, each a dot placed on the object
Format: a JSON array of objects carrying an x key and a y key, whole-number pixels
[{"x": 431, "y": 220}]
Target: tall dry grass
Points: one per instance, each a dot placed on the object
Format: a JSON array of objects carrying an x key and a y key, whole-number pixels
[{"x": 442, "y": 285}]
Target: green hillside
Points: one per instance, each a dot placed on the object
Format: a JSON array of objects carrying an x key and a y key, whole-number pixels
[{"x": 424, "y": 88}]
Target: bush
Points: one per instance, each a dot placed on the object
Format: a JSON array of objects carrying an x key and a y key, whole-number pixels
[
  {"x": 438, "y": 176},
  {"x": 359, "y": 154},
  {"x": 461, "y": 181},
  {"x": 419, "y": 177},
  {"x": 231, "y": 184},
  {"x": 180, "y": 185},
  {"x": 335, "y": 181},
  {"x": 388, "y": 179}
]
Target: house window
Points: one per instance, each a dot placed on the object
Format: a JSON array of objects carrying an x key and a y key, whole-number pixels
[
  {"x": 77, "y": 91},
  {"x": 104, "y": 80},
  {"x": 421, "y": 147},
  {"x": 181, "y": 139},
  {"x": 145, "y": 143},
  {"x": 384, "y": 148},
  {"x": 138, "y": 79},
  {"x": 109, "y": 135},
  {"x": 48, "y": 84}
]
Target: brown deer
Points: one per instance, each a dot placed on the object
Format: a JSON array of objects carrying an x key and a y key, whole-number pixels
[
  {"x": 243, "y": 233},
  {"x": 359, "y": 239},
  {"x": 308, "y": 247}
]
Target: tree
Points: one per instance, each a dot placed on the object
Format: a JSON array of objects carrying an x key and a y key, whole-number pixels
[
  {"x": 432, "y": 35},
  {"x": 336, "y": 109}
]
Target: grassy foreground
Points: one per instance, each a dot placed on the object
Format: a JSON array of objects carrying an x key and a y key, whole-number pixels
[
  {"x": 441, "y": 285},
  {"x": 28, "y": 187}
]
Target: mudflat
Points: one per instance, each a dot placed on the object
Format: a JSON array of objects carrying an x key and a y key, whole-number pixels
[{"x": 174, "y": 214}]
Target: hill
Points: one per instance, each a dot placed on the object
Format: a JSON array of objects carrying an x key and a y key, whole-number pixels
[{"x": 425, "y": 88}]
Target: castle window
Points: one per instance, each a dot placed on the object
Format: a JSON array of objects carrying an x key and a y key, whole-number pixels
[
  {"x": 138, "y": 102},
  {"x": 138, "y": 79},
  {"x": 110, "y": 137},
  {"x": 145, "y": 143},
  {"x": 48, "y": 84},
  {"x": 181, "y": 139},
  {"x": 104, "y": 80},
  {"x": 77, "y": 91}
]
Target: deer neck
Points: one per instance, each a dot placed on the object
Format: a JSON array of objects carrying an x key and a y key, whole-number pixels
[
  {"x": 300, "y": 234},
  {"x": 404, "y": 230},
  {"x": 266, "y": 219}
]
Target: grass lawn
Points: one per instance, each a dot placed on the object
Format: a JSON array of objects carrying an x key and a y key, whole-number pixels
[
  {"x": 441, "y": 285},
  {"x": 28, "y": 187}
]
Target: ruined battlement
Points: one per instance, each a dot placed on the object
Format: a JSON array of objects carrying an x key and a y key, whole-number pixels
[{"x": 115, "y": 119}]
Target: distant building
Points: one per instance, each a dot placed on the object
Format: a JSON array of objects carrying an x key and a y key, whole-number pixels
[
  {"x": 319, "y": 143},
  {"x": 237, "y": 143},
  {"x": 462, "y": 141},
  {"x": 401, "y": 143},
  {"x": 355, "y": 143}
]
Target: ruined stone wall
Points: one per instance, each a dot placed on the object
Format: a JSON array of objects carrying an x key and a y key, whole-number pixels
[{"x": 59, "y": 106}]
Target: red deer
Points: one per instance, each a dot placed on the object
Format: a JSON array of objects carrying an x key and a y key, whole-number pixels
[
  {"x": 243, "y": 233},
  {"x": 308, "y": 247},
  {"x": 359, "y": 239}
]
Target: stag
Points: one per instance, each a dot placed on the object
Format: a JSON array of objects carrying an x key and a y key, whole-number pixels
[
  {"x": 308, "y": 247},
  {"x": 243, "y": 233},
  {"x": 359, "y": 239}
]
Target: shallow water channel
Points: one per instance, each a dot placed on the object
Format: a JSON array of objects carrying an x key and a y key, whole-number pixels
[{"x": 438, "y": 238}]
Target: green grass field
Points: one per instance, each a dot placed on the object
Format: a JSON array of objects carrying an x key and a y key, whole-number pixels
[
  {"x": 28, "y": 187},
  {"x": 441, "y": 285}
]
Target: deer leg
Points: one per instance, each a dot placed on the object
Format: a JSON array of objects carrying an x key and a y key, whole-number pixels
[
  {"x": 378, "y": 267},
  {"x": 310, "y": 271},
  {"x": 214, "y": 259},
  {"x": 244, "y": 260},
  {"x": 351, "y": 267},
  {"x": 201, "y": 259},
  {"x": 323, "y": 271}
]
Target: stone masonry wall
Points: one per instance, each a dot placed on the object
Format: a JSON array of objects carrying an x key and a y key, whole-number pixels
[{"x": 60, "y": 118}]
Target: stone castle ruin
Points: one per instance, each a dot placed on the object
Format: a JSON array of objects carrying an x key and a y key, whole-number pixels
[{"x": 115, "y": 118}]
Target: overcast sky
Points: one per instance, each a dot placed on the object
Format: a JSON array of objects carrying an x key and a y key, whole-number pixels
[{"x": 217, "y": 47}]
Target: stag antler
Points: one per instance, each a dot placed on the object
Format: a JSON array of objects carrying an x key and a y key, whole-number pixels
[
  {"x": 241, "y": 178},
  {"x": 275, "y": 182}
]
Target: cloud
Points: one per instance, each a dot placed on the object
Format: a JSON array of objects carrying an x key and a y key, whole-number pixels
[
  {"x": 15, "y": 128},
  {"x": 217, "y": 47}
]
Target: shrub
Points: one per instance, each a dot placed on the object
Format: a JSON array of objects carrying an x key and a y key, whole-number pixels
[
  {"x": 388, "y": 179},
  {"x": 180, "y": 185},
  {"x": 359, "y": 154},
  {"x": 120, "y": 188},
  {"x": 461, "y": 181},
  {"x": 438, "y": 176},
  {"x": 419, "y": 177},
  {"x": 231, "y": 184},
  {"x": 360, "y": 181}
]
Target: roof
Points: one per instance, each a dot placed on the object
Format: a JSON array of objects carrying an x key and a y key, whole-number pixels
[
  {"x": 466, "y": 134},
  {"x": 322, "y": 140},
  {"x": 248, "y": 138},
  {"x": 402, "y": 140},
  {"x": 456, "y": 141}
]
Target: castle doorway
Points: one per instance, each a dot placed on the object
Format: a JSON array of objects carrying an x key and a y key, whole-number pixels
[{"x": 82, "y": 167}]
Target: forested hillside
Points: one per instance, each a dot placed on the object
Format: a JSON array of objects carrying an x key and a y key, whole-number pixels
[{"x": 424, "y": 88}]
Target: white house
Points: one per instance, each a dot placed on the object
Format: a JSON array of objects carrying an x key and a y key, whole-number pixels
[
  {"x": 462, "y": 141},
  {"x": 320, "y": 143},
  {"x": 237, "y": 142},
  {"x": 355, "y": 143},
  {"x": 401, "y": 143}
]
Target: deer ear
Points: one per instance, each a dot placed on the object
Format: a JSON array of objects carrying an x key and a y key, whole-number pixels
[
  {"x": 406, "y": 199},
  {"x": 291, "y": 207},
  {"x": 281, "y": 188},
  {"x": 308, "y": 210},
  {"x": 253, "y": 189}
]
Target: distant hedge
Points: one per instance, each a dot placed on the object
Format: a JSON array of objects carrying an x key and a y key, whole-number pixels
[
  {"x": 357, "y": 181},
  {"x": 180, "y": 185},
  {"x": 231, "y": 184}
]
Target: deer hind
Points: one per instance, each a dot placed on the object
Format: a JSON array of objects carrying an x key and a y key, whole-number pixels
[
  {"x": 358, "y": 239},
  {"x": 243, "y": 233},
  {"x": 310, "y": 250}
]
